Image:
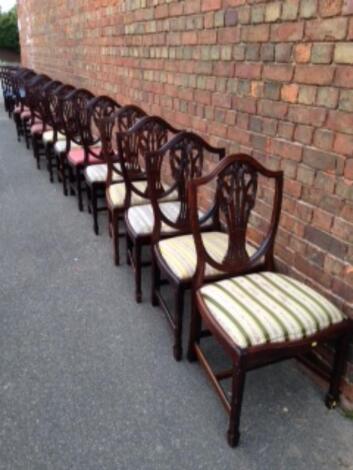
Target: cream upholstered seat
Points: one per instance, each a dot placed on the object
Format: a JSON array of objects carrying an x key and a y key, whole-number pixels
[
  {"x": 48, "y": 137},
  {"x": 116, "y": 194},
  {"x": 179, "y": 253},
  {"x": 60, "y": 146},
  {"x": 267, "y": 308},
  {"x": 141, "y": 218},
  {"x": 98, "y": 173}
]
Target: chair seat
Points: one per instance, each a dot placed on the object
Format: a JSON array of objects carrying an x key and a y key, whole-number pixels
[
  {"x": 179, "y": 253},
  {"x": 48, "y": 137},
  {"x": 26, "y": 114},
  {"x": 141, "y": 218},
  {"x": 18, "y": 109},
  {"x": 60, "y": 146},
  {"x": 116, "y": 195},
  {"x": 76, "y": 157},
  {"x": 98, "y": 173},
  {"x": 37, "y": 128},
  {"x": 267, "y": 308}
]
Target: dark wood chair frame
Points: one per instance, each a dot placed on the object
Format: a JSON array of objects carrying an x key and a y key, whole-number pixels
[
  {"x": 40, "y": 113},
  {"x": 74, "y": 120},
  {"x": 32, "y": 88},
  {"x": 149, "y": 134},
  {"x": 101, "y": 114},
  {"x": 236, "y": 178},
  {"x": 54, "y": 118},
  {"x": 187, "y": 159},
  {"x": 19, "y": 87},
  {"x": 184, "y": 155}
]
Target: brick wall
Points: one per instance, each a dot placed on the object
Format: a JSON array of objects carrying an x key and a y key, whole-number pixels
[{"x": 273, "y": 78}]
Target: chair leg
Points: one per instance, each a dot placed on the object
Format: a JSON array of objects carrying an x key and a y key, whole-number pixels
[
  {"x": 49, "y": 158},
  {"x": 339, "y": 364},
  {"x": 26, "y": 132},
  {"x": 36, "y": 150},
  {"x": 178, "y": 323},
  {"x": 63, "y": 175},
  {"x": 18, "y": 126},
  {"x": 238, "y": 383},
  {"x": 79, "y": 189},
  {"x": 138, "y": 267},
  {"x": 155, "y": 281},
  {"x": 129, "y": 249},
  {"x": 195, "y": 330},
  {"x": 115, "y": 237},
  {"x": 93, "y": 197}
]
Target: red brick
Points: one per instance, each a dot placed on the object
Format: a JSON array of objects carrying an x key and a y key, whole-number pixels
[
  {"x": 332, "y": 29},
  {"x": 258, "y": 33},
  {"x": 249, "y": 71},
  {"x": 339, "y": 121},
  {"x": 282, "y": 73},
  {"x": 314, "y": 74},
  {"x": 330, "y": 7},
  {"x": 307, "y": 115},
  {"x": 287, "y": 32},
  {"x": 210, "y": 5},
  {"x": 344, "y": 76}
]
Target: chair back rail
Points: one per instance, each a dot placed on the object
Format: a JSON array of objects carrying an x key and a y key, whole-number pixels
[
  {"x": 184, "y": 157},
  {"x": 119, "y": 122},
  {"x": 236, "y": 190},
  {"x": 148, "y": 135},
  {"x": 74, "y": 115}
]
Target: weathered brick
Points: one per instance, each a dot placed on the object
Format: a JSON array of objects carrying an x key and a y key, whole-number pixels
[
  {"x": 258, "y": 33},
  {"x": 208, "y": 5},
  {"x": 282, "y": 73},
  {"x": 340, "y": 121},
  {"x": 322, "y": 53},
  {"x": 343, "y": 144},
  {"x": 327, "y": 96},
  {"x": 344, "y": 53},
  {"x": 307, "y": 94},
  {"x": 332, "y": 29},
  {"x": 283, "y": 52},
  {"x": 302, "y": 53},
  {"x": 344, "y": 76},
  {"x": 303, "y": 134},
  {"x": 290, "y": 9},
  {"x": 330, "y": 7},
  {"x": 267, "y": 52},
  {"x": 308, "y": 8},
  {"x": 319, "y": 159},
  {"x": 307, "y": 115},
  {"x": 290, "y": 92},
  {"x": 273, "y": 11},
  {"x": 314, "y": 74},
  {"x": 287, "y": 32},
  {"x": 325, "y": 241}
]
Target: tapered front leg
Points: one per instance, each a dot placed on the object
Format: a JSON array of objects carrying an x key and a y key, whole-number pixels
[
  {"x": 137, "y": 263},
  {"x": 339, "y": 364},
  {"x": 178, "y": 319},
  {"x": 238, "y": 383},
  {"x": 155, "y": 280},
  {"x": 195, "y": 330}
]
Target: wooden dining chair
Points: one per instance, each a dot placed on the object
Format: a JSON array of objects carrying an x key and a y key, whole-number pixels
[
  {"x": 74, "y": 116},
  {"x": 148, "y": 134},
  {"x": 40, "y": 118},
  {"x": 101, "y": 110},
  {"x": 30, "y": 93},
  {"x": 185, "y": 157},
  {"x": 54, "y": 118},
  {"x": 256, "y": 315},
  {"x": 19, "y": 92}
]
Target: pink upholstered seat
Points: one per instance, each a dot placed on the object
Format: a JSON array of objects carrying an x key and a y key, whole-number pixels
[
  {"x": 37, "y": 128},
  {"x": 77, "y": 157},
  {"x": 26, "y": 114},
  {"x": 18, "y": 109}
]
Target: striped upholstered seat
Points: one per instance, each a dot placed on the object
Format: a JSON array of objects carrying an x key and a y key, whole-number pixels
[
  {"x": 116, "y": 194},
  {"x": 98, "y": 173},
  {"x": 141, "y": 218},
  {"x": 179, "y": 253},
  {"x": 48, "y": 137},
  {"x": 267, "y": 308}
]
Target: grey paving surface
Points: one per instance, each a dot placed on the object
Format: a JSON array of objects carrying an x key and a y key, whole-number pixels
[{"x": 87, "y": 378}]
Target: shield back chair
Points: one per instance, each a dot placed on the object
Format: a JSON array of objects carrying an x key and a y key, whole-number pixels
[
  {"x": 54, "y": 118},
  {"x": 8, "y": 83},
  {"x": 147, "y": 135},
  {"x": 185, "y": 156},
  {"x": 20, "y": 95},
  {"x": 123, "y": 120},
  {"x": 257, "y": 316},
  {"x": 71, "y": 111},
  {"x": 40, "y": 116},
  {"x": 86, "y": 145},
  {"x": 31, "y": 89},
  {"x": 99, "y": 110},
  {"x": 173, "y": 253}
]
